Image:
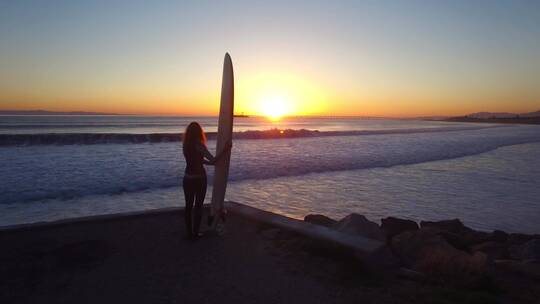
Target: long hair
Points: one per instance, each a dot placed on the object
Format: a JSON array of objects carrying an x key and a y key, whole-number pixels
[{"x": 193, "y": 135}]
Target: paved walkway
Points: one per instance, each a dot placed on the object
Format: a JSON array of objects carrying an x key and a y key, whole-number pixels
[{"x": 145, "y": 259}]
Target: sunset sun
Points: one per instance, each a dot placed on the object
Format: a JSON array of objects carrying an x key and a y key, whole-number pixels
[
  {"x": 274, "y": 107},
  {"x": 277, "y": 94}
]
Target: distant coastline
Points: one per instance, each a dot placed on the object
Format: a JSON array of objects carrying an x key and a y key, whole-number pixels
[
  {"x": 532, "y": 118},
  {"x": 507, "y": 120},
  {"x": 491, "y": 117},
  {"x": 43, "y": 112}
]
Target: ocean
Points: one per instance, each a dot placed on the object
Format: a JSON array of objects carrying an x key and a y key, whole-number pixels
[{"x": 487, "y": 175}]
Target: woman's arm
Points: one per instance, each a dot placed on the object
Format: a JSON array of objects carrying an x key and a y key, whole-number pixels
[{"x": 209, "y": 159}]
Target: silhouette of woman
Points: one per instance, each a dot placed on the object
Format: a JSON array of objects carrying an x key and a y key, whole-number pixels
[{"x": 194, "y": 183}]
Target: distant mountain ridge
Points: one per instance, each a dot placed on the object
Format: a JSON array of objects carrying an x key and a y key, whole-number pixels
[
  {"x": 44, "y": 112},
  {"x": 489, "y": 115}
]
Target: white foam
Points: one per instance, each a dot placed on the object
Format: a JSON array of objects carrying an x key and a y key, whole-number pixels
[{"x": 37, "y": 173}]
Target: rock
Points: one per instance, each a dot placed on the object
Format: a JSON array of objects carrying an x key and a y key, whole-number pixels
[
  {"x": 459, "y": 241},
  {"x": 319, "y": 219},
  {"x": 393, "y": 226},
  {"x": 426, "y": 251},
  {"x": 476, "y": 237},
  {"x": 519, "y": 238},
  {"x": 493, "y": 250},
  {"x": 357, "y": 224},
  {"x": 498, "y": 236},
  {"x": 454, "y": 226},
  {"x": 411, "y": 246},
  {"x": 529, "y": 251},
  {"x": 522, "y": 268},
  {"x": 477, "y": 263},
  {"x": 457, "y": 234}
]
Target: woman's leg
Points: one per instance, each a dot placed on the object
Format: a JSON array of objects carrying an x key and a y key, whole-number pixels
[
  {"x": 189, "y": 194},
  {"x": 199, "y": 200}
]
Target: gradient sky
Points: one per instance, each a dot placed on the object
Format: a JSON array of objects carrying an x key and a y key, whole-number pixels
[{"x": 384, "y": 58}]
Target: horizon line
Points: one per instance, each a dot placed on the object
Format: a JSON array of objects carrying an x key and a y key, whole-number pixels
[{"x": 98, "y": 113}]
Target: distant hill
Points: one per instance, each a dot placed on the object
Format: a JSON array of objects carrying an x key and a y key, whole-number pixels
[
  {"x": 531, "y": 114},
  {"x": 437, "y": 117},
  {"x": 43, "y": 112},
  {"x": 490, "y": 117},
  {"x": 486, "y": 115}
]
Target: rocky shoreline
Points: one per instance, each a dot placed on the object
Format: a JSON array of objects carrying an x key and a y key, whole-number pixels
[{"x": 446, "y": 250}]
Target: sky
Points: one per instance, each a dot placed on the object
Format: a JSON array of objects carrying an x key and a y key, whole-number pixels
[{"x": 358, "y": 58}]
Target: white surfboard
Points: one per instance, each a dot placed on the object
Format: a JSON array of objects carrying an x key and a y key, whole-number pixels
[{"x": 225, "y": 127}]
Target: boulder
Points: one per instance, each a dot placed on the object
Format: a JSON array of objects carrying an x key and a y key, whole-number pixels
[
  {"x": 522, "y": 268},
  {"x": 454, "y": 226},
  {"x": 477, "y": 263},
  {"x": 319, "y": 219},
  {"x": 357, "y": 224},
  {"x": 520, "y": 238},
  {"x": 476, "y": 237},
  {"x": 393, "y": 226},
  {"x": 493, "y": 250},
  {"x": 411, "y": 246},
  {"x": 425, "y": 250},
  {"x": 529, "y": 251},
  {"x": 459, "y": 241},
  {"x": 457, "y": 234},
  {"x": 498, "y": 236}
]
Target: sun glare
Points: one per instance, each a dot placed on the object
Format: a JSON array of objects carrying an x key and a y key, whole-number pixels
[
  {"x": 275, "y": 95},
  {"x": 274, "y": 107}
]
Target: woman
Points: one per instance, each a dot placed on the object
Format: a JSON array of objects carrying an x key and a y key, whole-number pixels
[{"x": 194, "y": 183}]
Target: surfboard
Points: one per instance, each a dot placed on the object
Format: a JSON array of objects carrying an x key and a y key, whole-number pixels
[{"x": 224, "y": 134}]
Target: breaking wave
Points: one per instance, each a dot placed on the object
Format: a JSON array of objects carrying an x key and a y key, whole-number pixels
[{"x": 126, "y": 138}]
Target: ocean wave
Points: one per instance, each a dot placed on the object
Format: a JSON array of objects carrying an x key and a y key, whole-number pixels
[
  {"x": 11, "y": 125},
  {"x": 42, "y": 172},
  {"x": 128, "y": 138}
]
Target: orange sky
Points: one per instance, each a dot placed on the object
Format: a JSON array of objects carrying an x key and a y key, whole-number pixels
[{"x": 358, "y": 59}]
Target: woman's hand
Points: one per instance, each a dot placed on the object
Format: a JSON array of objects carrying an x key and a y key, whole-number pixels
[
  {"x": 228, "y": 145},
  {"x": 226, "y": 148}
]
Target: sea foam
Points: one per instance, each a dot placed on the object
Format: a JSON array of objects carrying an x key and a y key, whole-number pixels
[{"x": 41, "y": 172}]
